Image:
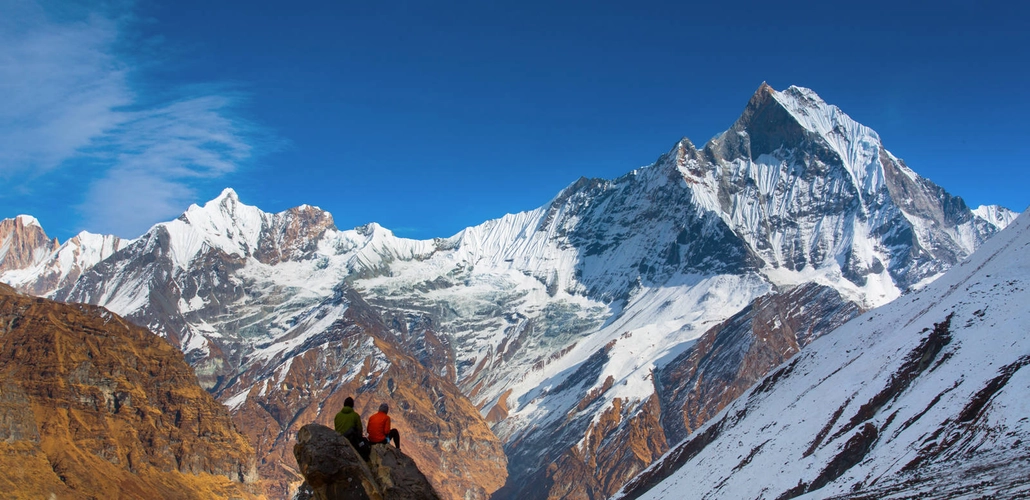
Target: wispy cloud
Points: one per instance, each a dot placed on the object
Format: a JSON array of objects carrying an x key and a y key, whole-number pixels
[
  {"x": 67, "y": 101},
  {"x": 155, "y": 155},
  {"x": 60, "y": 88}
]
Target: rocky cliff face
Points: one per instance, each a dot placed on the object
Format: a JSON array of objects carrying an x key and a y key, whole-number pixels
[
  {"x": 23, "y": 243},
  {"x": 90, "y": 404},
  {"x": 34, "y": 264}
]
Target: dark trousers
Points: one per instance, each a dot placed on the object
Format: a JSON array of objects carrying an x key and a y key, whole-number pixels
[
  {"x": 358, "y": 442},
  {"x": 396, "y": 436}
]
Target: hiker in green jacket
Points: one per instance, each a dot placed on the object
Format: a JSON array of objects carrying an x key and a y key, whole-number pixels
[
  {"x": 348, "y": 419},
  {"x": 348, "y": 424}
]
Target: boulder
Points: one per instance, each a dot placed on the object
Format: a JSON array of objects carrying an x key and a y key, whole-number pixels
[
  {"x": 333, "y": 470},
  {"x": 398, "y": 476}
]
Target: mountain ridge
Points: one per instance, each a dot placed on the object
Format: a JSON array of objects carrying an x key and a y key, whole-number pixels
[{"x": 571, "y": 307}]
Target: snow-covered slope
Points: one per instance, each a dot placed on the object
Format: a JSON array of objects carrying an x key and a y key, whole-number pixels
[
  {"x": 995, "y": 215},
  {"x": 924, "y": 396}
]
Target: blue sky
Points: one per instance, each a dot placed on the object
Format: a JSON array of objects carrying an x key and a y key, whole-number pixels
[{"x": 428, "y": 117}]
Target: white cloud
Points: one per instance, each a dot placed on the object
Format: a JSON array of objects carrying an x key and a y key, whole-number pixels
[
  {"x": 60, "y": 88},
  {"x": 155, "y": 155},
  {"x": 127, "y": 202},
  {"x": 67, "y": 103}
]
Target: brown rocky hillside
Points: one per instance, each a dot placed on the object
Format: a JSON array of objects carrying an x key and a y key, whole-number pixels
[
  {"x": 92, "y": 406},
  {"x": 441, "y": 430}
]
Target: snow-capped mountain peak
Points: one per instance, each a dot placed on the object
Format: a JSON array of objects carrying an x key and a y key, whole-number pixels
[
  {"x": 223, "y": 223},
  {"x": 28, "y": 220},
  {"x": 996, "y": 215},
  {"x": 228, "y": 225},
  {"x": 23, "y": 244},
  {"x": 51, "y": 266}
]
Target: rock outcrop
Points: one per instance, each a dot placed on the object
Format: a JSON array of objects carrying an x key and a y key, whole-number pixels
[
  {"x": 23, "y": 243},
  {"x": 333, "y": 470},
  {"x": 91, "y": 404}
]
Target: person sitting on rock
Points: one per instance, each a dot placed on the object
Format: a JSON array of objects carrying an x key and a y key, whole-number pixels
[
  {"x": 348, "y": 424},
  {"x": 379, "y": 431}
]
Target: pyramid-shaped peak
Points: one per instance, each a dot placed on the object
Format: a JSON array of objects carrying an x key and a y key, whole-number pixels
[
  {"x": 765, "y": 90},
  {"x": 763, "y": 95},
  {"x": 228, "y": 195},
  {"x": 227, "y": 201},
  {"x": 775, "y": 119},
  {"x": 796, "y": 99}
]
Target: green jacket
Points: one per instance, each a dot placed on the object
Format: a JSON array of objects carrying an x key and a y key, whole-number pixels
[{"x": 346, "y": 419}]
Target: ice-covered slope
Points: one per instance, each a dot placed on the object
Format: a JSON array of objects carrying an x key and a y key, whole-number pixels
[
  {"x": 924, "y": 396},
  {"x": 225, "y": 278},
  {"x": 630, "y": 272}
]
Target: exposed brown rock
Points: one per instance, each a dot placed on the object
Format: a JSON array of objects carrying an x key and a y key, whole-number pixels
[
  {"x": 602, "y": 465},
  {"x": 292, "y": 234},
  {"x": 90, "y": 404},
  {"x": 499, "y": 411},
  {"x": 398, "y": 476},
  {"x": 441, "y": 430},
  {"x": 734, "y": 355},
  {"x": 25, "y": 244},
  {"x": 63, "y": 267}
]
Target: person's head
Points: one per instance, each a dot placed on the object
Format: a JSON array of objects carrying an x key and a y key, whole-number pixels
[
  {"x": 349, "y": 402},
  {"x": 385, "y": 408}
]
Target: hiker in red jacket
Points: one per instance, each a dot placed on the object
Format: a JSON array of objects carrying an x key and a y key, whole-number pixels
[{"x": 379, "y": 431}]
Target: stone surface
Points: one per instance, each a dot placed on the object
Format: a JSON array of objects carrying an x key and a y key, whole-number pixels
[
  {"x": 333, "y": 470},
  {"x": 90, "y": 404},
  {"x": 23, "y": 245}
]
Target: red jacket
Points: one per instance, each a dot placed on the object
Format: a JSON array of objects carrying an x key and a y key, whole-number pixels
[{"x": 378, "y": 427}]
